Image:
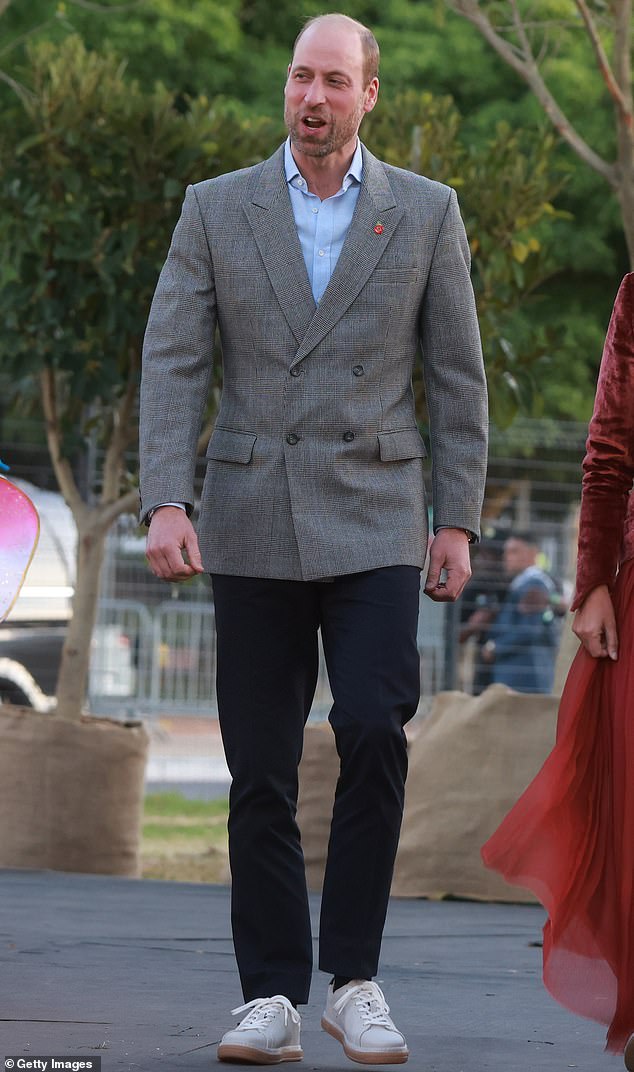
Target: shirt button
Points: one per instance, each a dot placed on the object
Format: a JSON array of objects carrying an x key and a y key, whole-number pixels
[
  {"x": 358, "y": 370},
  {"x": 322, "y": 252},
  {"x": 315, "y": 209},
  {"x": 348, "y": 437},
  {"x": 297, "y": 371},
  {"x": 292, "y": 438}
]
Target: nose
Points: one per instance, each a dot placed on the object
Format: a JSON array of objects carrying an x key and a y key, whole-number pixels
[{"x": 315, "y": 92}]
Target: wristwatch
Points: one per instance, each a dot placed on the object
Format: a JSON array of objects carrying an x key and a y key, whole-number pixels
[{"x": 471, "y": 536}]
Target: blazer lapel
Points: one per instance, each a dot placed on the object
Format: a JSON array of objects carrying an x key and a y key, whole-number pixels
[
  {"x": 271, "y": 217},
  {"x": 362, "y": 249}
]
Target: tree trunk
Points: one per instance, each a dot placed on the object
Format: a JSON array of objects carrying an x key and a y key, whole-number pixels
[
  {"x": 626, "y": 199},
  {"x": 521, "y": 57},
  {"x": 626, "y": 188},
  {"x": 72, "y": 682}
]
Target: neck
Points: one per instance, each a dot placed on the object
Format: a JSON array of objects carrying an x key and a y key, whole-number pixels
[{"x": 324, "y": 174}]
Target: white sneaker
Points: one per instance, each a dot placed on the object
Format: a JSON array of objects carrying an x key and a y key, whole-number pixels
[
  {"x": 268, "y": 1035},
  {"x": 357, "y": 1015}
]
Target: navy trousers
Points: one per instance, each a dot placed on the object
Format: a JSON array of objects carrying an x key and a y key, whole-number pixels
[{"x": 267, "y": 663}]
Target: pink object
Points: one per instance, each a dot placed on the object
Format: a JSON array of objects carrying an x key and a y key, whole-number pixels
[{"x": 19, "y": 532}]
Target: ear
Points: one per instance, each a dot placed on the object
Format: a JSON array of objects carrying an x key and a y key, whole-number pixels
[{"x": 371, "y": 95}]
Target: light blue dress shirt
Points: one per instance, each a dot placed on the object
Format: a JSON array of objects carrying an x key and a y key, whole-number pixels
[{"x": 322, "y": 225}]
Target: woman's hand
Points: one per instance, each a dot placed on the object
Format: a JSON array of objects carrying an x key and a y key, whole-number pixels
[{"x": 595, "y": 624}]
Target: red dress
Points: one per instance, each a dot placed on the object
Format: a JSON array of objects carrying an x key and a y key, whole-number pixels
[{"x": 570, "y": 837}]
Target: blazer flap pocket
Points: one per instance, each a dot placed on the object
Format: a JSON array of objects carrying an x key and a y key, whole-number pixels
[
  {"x": 400, "y": 445},
  {"x": 227, "y": 445}
]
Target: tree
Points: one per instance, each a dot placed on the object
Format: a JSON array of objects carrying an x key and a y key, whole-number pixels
[
  {"x": 92, "y": 174},
  {"x": 525, "y": 34},
  {"x": 192, "y": 47},
  {"x": 244, "y": 54},
  {"x": 506, "y": 186}
]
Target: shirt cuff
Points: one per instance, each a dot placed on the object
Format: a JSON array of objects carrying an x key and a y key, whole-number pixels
[{"x": 180, "y": 505}]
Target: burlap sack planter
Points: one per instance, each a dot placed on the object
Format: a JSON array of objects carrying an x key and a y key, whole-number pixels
[
  {"x": 468, "y": 764},
  {"x": 318, "y": 773},
  {"x": 71, "y": 793}
]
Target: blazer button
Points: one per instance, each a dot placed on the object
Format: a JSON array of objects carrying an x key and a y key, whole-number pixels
[
  {"x": 358, "y": 370},
  {"x": 292, "y": 438},
  {"x": 348, "y": 437},
  {"x": 297, "y": 371}
]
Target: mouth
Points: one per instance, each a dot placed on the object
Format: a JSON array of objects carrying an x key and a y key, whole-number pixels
[{"x": 311, "y": 122}]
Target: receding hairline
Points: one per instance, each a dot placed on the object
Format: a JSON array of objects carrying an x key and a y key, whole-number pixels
[{"x": 369, "y": 44}]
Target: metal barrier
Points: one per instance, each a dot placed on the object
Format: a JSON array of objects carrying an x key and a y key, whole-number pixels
[
  {"x": 121, "y": 658},
  {"x": 184, "y": 650},
  {"x": 147, "y": 662}
]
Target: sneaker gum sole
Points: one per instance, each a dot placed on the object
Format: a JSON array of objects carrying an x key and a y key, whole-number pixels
[
  {"x": 253, "y": 1055},
  {"x": 365, "y": 1057}
]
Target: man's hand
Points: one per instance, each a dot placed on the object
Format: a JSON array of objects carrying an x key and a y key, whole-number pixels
[
  {"x": 449, "y": 552},
  {"x": 595, "y": 624},
  {"x": 171, "y": 533}
]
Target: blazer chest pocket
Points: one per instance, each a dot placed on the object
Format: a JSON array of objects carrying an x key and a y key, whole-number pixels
[
  {"x": 394, "y": 275},
  {"x": 401, "y": 445},
  {"x": 228, "y": 445}
]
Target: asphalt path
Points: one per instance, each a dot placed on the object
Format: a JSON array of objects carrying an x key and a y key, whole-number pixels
[{"x": 141, "y": 974}]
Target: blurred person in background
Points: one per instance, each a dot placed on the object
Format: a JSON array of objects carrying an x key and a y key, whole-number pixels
[
  {"x": 479, "y": 607},
  {"x": 523, "y": 639}
]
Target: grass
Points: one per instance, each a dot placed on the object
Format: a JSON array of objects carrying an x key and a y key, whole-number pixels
[{"x": 184, "y": 840}]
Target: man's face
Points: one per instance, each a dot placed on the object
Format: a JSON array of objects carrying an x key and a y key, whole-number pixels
[
  {"x": 518, "y": 556},
  {"x": 325, "y": 98}
]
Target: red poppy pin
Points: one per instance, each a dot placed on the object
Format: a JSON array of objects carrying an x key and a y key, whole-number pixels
[{"x": 379, "y": 228}]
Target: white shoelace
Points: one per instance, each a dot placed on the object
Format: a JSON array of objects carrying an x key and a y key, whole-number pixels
[
  {"x": 369, "y": 1000},
  {"x": 263, "y": 1010}
]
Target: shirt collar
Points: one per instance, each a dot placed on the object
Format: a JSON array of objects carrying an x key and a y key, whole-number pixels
[{"x": 353, "y": 174}]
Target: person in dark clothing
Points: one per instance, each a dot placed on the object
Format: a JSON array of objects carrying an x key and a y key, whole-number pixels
[
  {"x": 523, "y": 640},
  {"x": 480, "y": 605}
]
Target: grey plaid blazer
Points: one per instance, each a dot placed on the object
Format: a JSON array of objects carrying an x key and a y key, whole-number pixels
[{"x": 315, "y": 465}]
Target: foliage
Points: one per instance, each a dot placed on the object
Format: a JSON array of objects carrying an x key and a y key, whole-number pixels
[
  {"x": 92, "y": 177},
  {"x": 190, "y": 47},
  {"x": 575, "y": 58},
  {"x": 88, "y": 198},
  {"x": 92, "y": 172},
  {"x": 242, "y": 51},
  {"x": 506, "y": 186}
]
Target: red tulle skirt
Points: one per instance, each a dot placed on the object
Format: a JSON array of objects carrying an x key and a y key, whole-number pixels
[{"x": 570, "y": 837}]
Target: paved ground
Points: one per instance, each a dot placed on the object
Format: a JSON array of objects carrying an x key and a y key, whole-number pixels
[
  {"x": 142, "y": 974},
  {"x": 186, "y": 754}
]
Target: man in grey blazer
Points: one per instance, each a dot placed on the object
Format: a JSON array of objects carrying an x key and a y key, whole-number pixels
[{"x": 328, "y": 274}]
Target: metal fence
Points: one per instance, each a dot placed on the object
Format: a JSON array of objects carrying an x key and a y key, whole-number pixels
[{"x": 159, "y": 660}]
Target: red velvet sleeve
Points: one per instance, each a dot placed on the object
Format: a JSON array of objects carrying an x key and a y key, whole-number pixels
[{"x": 608, "y": 467}]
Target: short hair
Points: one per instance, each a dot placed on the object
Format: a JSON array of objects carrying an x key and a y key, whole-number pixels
[
  {"x": 369, "y": 44},
  {"x": 525, "y": 536}
]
